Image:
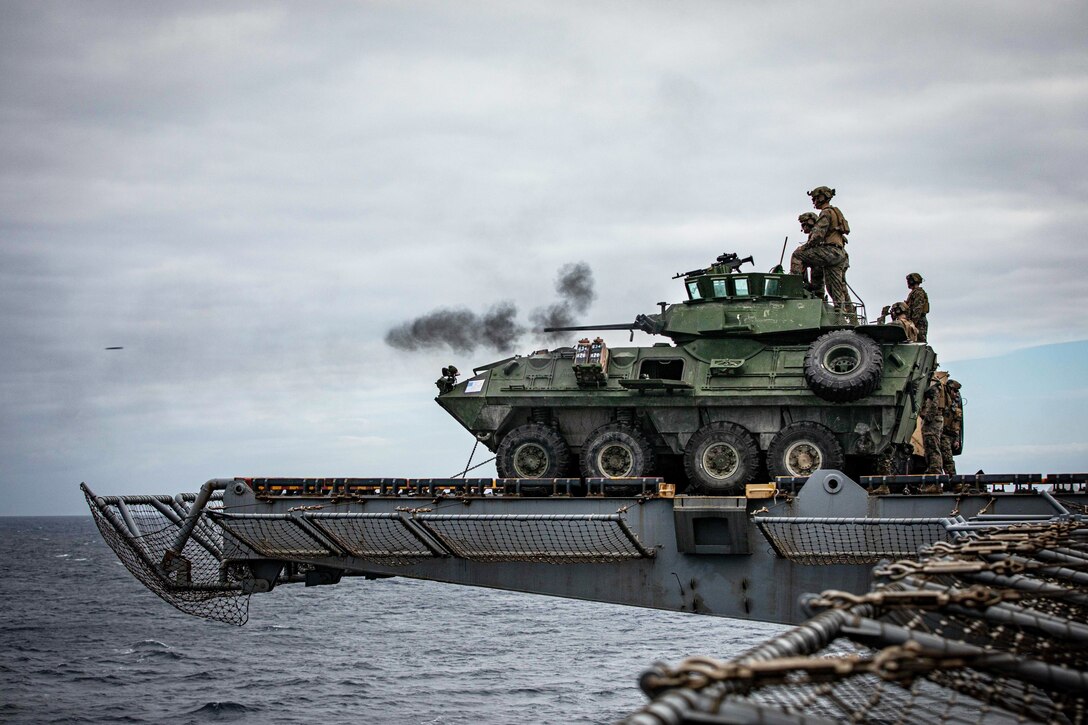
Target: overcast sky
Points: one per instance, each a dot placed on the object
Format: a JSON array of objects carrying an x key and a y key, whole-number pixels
[{"x": 247, "y": 197}]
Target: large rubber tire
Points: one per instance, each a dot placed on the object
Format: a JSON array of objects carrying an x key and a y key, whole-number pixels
[
  {"x": 720, "y": 458},
  {"x": 802, "y": 448},
  {"x": 532, "y": 451},
  {"x": 616, "y": 450},
  {"x": 843, "y": 366}
]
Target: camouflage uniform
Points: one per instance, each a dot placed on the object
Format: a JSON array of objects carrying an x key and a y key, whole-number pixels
[
  {"x": 825, "y": 247},
  {"x": 917, "y": 303},
  {"x": 932, "y": 427},
  {"x": 815, "y": 276},
  {"x": 953, "y": 425},
  {"x": 899, "y": 317}
]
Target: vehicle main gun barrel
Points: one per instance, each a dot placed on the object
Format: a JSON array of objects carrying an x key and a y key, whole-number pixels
[
  {"x": 647, "y": 323},
  {"x": 582, "y": 328}
]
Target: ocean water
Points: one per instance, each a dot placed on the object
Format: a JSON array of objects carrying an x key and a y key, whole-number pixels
[{"x": 82, "y": 641}]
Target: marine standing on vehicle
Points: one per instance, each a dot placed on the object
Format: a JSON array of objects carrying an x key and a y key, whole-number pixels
[
  {"x": 952, "y": 433},
  {"x": 826, "y": 245},
  {"x": 932, "y": 415},
  {"x": 917, "y": 304},
  {"x": 812, "y": 274}
]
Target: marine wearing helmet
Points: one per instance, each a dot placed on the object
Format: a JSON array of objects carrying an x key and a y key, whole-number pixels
[
  {"x": 813, "y": 274},
  {"x": 826, "y": 244},
  {"x": 917, "y": 304},
  {"x": 898, "y": 312}
]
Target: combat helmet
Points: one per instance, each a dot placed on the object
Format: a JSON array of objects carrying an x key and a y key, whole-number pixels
[
  {"x": 807, "y": 218},
  {"x": 897, "y": 308},
  {"x": 914, "y": 278},
  {"x": 824, "y": 191}
]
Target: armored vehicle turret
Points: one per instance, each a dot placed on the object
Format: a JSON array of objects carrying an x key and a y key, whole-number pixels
[{"x": 759, "y": 378}]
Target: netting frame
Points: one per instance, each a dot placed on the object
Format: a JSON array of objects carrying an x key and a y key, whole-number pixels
[
  {"x": 784, "y": 534},
  {"x": 144, "y": 552}
]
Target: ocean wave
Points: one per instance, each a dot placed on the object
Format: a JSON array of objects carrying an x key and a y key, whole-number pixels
[
  {"x": 221, "y": 711},
  {"x": 152, "y": 649}
]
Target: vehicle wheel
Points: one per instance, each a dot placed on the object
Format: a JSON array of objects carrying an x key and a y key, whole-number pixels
[
  {"x": 617, "y": 451},
  {"x": 801, "y": 449},
  {"x": 843, "y": 366},
  {"x": 720, "y": 458},
  {"x": 532, "y": 451}
]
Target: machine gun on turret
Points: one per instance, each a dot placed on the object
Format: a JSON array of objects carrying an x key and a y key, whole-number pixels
[
  {"x": 725, "y": 261},
  {"x": 730, "y": 260}
]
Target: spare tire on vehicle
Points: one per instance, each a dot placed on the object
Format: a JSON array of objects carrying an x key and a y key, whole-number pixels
[{"x": 843, "y": 366}]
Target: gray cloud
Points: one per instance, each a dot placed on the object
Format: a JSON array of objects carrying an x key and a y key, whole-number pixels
[{"x": 248, "y": 197}]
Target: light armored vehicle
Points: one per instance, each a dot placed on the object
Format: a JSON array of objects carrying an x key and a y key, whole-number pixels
[{"x": 760, "y": 378}]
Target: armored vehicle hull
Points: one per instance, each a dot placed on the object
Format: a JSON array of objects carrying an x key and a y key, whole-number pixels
[{"x": 761, "y": 379}]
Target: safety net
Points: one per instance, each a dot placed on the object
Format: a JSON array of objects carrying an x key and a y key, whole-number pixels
[
  {"x": 385, "y": 538},
  {"x": 404, "y": 538},
  {"x": 988, "y": 628},
  {"x": 142, "y": 530},
  {"x": 549, "y": 538},
  {"x": 817, "y": 541}
]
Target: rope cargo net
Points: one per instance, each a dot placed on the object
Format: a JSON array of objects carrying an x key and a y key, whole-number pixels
[
  {"x": 141, "y": 529},
  {"x": 553, "y": 539},
  {"x": 989, "y": 628},
  {"x": 383, "y": 538},
  {"x": 400, "y": 539},
  {"x": 818, "y": 541}
]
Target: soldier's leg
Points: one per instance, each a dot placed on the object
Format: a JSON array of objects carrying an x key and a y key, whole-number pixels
[
  {"x": 817, "y": 279},
  {"x": 923, "y": 328},
  {"x": 805, "y": 257},
  {"x": 838, "y": 261},
  {"x": 836, "y": 284},
  {"x": 796, "y": 265},
  {"x": 934, "y": 460},
  {"x": 845, "y": 267},
  {"x": 835, "y": 262},
  {"x": 946, "y": 455}
]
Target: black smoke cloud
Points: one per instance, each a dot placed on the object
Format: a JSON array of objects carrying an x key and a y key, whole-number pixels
[
  {"x": 462, "y": 330},
  {"x": 575, "y": 286},
  {"x": 575, "y": 289}
]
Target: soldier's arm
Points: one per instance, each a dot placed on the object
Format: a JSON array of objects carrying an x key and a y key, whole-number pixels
[{"x": 819, "y": 233}]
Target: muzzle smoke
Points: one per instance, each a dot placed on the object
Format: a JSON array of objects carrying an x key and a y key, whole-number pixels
[{"x": 463, "y": 330}]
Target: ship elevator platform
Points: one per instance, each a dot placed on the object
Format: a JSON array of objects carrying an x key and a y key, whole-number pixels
[{"x": 624, "y": 541}]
